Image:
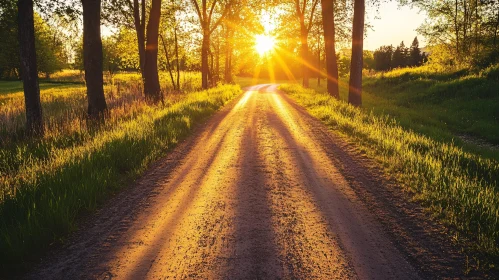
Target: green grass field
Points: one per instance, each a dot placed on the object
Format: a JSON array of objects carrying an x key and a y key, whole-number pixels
[
  {"x": 453, "y": 106},
  {"x": 458, "y": 187},
  {"x": 45, "y": 184}
]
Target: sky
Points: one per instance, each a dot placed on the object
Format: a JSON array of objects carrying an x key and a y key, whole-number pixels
[{"x": 393, "y": 25}]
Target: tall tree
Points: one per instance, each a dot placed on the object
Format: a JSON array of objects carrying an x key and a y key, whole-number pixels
[
  {"x": 400, "y": 58},
  {"x": 463, "y": 30},
  {"x": 355, "y": 89},
  {"x": 330, "y": 41},
  {"x": 206, "y": 14},
  {"x": 232, "y": 19},
  {"x": 416, "y": 58},
  {"x": 383, "y": 58},
  {"x": 229, "y": 35},
  {"x": 152, "y": 88},
  {"x": 92, "y": 59},
  {"x": 305, "y": 27},
  {"x": 319, "y": 58},
  {"x": 29, "y": 69},
  {"x": 496, "y": 27},
  {"x": 139, "y": 16},
  {"x": 239, "y": 17},
  {"x": 139, "y": 19}
]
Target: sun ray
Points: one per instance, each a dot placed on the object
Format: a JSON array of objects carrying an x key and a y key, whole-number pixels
[
  {"x": 264, "y": 44},
  {"x": 285, "y": 67},
  {"x": 341, "y": 84}
]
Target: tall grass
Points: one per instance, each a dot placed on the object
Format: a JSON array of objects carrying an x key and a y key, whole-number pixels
[
  {"x": 64, "y": 107},
  {"x": 461, "y": 102},
  {"x": 459, "y": 187},
  {"x": 189, "y": 81},
  {"x": 47, "y": 183},
  {"x": 460, "y": 106}
]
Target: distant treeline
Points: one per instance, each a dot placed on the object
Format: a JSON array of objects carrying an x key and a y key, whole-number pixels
[{"x": 388, "y": 57}]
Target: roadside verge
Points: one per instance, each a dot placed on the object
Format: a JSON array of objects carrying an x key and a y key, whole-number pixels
[{"x": 51, "y": 194}]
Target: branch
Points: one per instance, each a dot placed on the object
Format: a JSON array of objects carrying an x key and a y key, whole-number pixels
[
  {"x": 222, "y": 17},
  {"x": 297, "y": 5},
  {"x": 143, "y": 19},
  {"x": 211, "y": 10},
  {"x": 129, "y": 3},
  {"x": 312, "y": 15},
  {"x": 198, "y": 11}
]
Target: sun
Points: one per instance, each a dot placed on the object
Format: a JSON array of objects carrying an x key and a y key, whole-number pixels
[{"x": 264, "y": 44}]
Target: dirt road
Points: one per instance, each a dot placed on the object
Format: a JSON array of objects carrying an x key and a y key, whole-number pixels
[{"x": 261, "y": 191}]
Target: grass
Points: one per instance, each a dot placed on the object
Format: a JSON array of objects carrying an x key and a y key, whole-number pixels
[
  {"x": 189, "y": 81},
  {"x": 451, "y": 106},
  {"x": 460, "y": 102},
  {"x": 457, "y": 186},
  {"x": 45, "y": 184},
  {"x": 63, "y": 99}
]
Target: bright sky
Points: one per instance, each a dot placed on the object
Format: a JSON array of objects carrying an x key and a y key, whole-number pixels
[{"x": 393, "y": 25}]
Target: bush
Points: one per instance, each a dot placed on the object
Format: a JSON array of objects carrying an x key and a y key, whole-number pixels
[{"x": 491, "y": 72}]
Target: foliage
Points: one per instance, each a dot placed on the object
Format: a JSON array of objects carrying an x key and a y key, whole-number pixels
[
  {"x": 468, "y": 29},
  {"x": 50, "y": 52},
  {"x": 416, "y": 58},
  {"x": 9, "y": 44},
  {"x": 387, "y": 58},
  {"x": 491, "y": 72},
  {"x": 344, "y": 61},
  {"x": 47, "y": 183},
  {"x": 383, "y": 58},
  {"x": 120, "y": 53},
  {"x": 458, "y": 187},
  {"x": 400, "y": 56}
]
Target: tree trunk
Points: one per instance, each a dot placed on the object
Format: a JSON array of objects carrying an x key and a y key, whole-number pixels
[
  {"x": 305, "y": 55},
  {"x": 140, "y": 30},
  {"x": 168, "y": 64},
  {"x": 228, "y": 56},
  {"x": 330, "y": 41},
  {"x": 217, "y": 61},
  {"x": 456, "y": 27},
  {"x": 152, "y": 90},
  {"x": 205, "y": 49},
  {"x": 34, "y": 120},
  {"x": 464, "y": 43},
  {"x": 211, "y": 68},
  {"x": 92, "y": 58},
  {"x": 319, "y": 73},
  {"x": 495, "y": 31},
  {"x": 355, "y": 90},
  {"x": 177, "y": 58}
]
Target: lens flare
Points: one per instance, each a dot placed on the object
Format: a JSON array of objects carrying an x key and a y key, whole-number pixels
[{"x": 264, "y": 44}]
